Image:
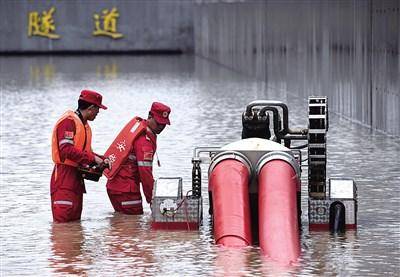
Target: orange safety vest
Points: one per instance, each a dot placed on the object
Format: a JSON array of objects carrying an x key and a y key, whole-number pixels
[
  {"x": 119, "y": 150},
  {"x": 82, "y": 138}
]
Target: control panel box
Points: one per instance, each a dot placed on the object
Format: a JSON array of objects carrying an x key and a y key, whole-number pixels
[{"x": 171, "y": 209}]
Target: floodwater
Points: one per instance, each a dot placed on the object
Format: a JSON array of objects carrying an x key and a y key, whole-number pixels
[{"x": 207, "y": 101}]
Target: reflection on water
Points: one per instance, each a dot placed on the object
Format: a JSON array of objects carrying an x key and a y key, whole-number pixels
[
  {"x": 124, "y": 242},
  {"x": 206, "y": 102},
  {"x": 340, "y": 255},
  {"x": 67, "y": 245},
  {"x": 107, "y": 71},
  {"x": 39, "y": 72}
]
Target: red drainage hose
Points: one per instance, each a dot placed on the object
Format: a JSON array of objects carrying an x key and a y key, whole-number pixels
[
  {"x": 229, "y": 180},
  {"x": 277, "y": 205}
]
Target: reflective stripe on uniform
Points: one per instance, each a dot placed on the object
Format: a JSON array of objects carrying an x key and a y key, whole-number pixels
[
  {"x": 63, "y": 141},
  {"x": 132, "y": 157},
  {"x": 132, "y": 202},
  {"x": 135, "y": 126},
  {"x": 141, "y": 163},
  {"x": 63, "y": 202}
]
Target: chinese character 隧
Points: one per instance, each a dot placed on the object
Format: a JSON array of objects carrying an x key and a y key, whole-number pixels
[{"x": 42, "y": 25}]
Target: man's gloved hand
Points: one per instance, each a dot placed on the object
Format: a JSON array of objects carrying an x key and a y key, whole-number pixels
[
  {"x": 107, "y": 164},
  {"x": 98, "y": 160}
]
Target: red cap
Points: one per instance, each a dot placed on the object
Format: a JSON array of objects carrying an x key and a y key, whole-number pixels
[
  {"x": 160, "y": 112},
  {"x": 92, "y": 97}
]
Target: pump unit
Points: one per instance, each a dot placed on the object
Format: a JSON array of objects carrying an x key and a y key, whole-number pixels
[
  {"x": 171, "y": 209},
  {"x": 254, "y": 184}
]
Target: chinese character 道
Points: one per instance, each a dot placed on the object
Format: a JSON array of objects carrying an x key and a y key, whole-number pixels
[{"x": 109, "y": 24}]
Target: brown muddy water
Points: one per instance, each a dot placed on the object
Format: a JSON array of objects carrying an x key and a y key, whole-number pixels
[{"x": 207, "y": 101}]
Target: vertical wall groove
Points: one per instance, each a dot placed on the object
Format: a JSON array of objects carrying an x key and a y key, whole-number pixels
[{"x": 347, "y": 50}]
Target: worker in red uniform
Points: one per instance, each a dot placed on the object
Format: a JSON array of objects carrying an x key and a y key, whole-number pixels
[
  {"x": 131, "y": 156},
  {"x": 71, "y": 148}
]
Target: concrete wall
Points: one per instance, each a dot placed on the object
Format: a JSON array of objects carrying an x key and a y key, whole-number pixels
[
  {"x": 345, "y": 49},
  {"x": 146, "y": 25}
]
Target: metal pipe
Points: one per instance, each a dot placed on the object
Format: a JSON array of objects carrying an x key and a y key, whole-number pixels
[
  {"x": 298, "y": 131},
  {"x": 275, "y": 118},
  {"x": 285, "y": 111},
  {"x": 295, "y": 136},
  {"x": 299, "y": 146},
  {"x": 199, "y": 150}
]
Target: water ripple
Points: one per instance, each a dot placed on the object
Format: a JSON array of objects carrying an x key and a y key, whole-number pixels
[{"x": 206, "y": 102}]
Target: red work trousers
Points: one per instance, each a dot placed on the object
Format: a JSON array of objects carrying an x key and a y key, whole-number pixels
[
  {"x": 126, "y": 202},
  {"x": 66, "y": 205}
]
